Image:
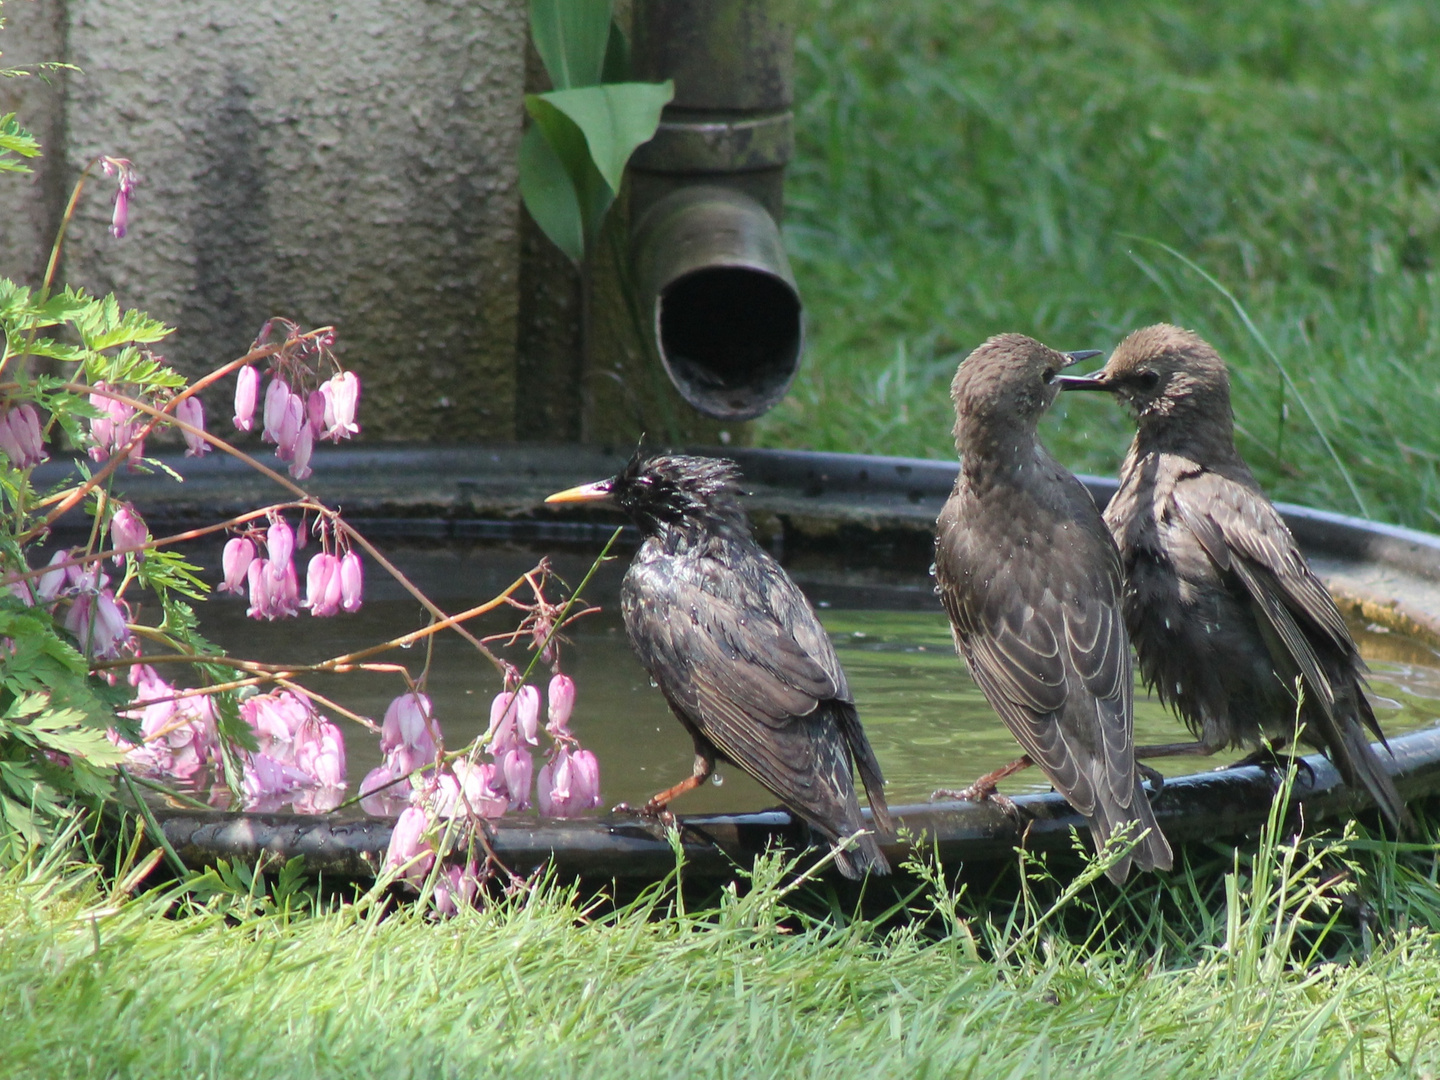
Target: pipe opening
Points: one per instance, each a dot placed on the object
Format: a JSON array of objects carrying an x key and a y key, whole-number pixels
[{"x": 731, "y": 337}]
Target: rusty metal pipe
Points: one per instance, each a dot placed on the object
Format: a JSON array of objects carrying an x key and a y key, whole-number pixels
[{"x": 714, "y": 285}]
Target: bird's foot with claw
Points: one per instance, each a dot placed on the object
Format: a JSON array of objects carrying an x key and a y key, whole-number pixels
[
  {"x": 651, "y": 811},
  {"x": 978, "y": 793},
  {"x": 1155, "y": 776},
  {"x": 1276, "y": 762}
]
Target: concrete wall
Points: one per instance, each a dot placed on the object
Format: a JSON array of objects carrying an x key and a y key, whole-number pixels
[{"x": 344, "y": 163}]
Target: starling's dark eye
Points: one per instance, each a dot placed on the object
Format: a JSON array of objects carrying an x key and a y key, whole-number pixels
[{"x": 1147, "y": 380}]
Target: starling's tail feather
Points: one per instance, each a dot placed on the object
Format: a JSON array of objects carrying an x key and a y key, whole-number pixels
[
  {"x": 1359, "y": 765},
  {"x": 1151, "y": 853},
  {"x": 861, "y": 858}
]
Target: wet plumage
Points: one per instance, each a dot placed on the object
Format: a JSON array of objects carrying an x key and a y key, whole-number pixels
[
  {"x": 739, "y": 653},
  {"x": 1031, "y": 580},
  {"x": 1224, "y": 611}
]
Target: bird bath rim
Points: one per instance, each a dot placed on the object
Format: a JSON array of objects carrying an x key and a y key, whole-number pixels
[{"x": 801, "y": 501}]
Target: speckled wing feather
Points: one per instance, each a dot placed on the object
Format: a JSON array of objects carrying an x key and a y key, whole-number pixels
[
  {"x": 726, "y": 660},
  {"x": 1053, "y": 668},
  {"x": 1231, "y": 520}
]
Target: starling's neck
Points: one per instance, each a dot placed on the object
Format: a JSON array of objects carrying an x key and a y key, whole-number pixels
[
  {"x": 722, "y": 523},
  {"x": 1205, "y": 439},
  {"x": 998, "y": 453}
]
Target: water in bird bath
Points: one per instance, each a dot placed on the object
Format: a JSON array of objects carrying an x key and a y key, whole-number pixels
[{"x": 929, "y": 724}]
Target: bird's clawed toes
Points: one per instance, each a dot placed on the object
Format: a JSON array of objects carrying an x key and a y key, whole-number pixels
[
  {"x": 1275, "y": 762},
  {"x": 978, "y": 793},
  {"x": 1155, "y": 776},
  {"x": 651, "y": 811}
]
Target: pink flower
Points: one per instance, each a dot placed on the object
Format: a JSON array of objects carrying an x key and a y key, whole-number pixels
[
  {"x": 405, "y": 724},
  {"x": 257, "y": 576},
  {"x": 98, "y": 623},
  {"x": 22, "y": 589},
  {"x": 513, "y": 715},
  {"x": 408, "y": 852},
  {"x": 267, "y": 778},
  {"x": 352, "y": 581},
  {"x": 292, "y": 419},
  {"x": 239, "y": 554},
  {"x": 278, "y": 720},
  {"x": 304, "y": 445},
  {"x": 322, "y": 585},
  {"x": 114, "y": 429},
  {"x": 381, "y": 795},
  {"x": 569, "y": 785},
  {"x": 315, "y": 406},
  {"x": 277, "y": 396},
  {"x": 517, "y": 767},
  {"x": 342, "y": 395},
  {"x": 320, "y": 753},
  {"x": 180, "y": 736},
  {"x": 463, "y": 789},
  {"x": 562, "y": 703},
  {"x": 125, "y": 173},
  {"x": 247, "y": 386},
  {"x": 279, "y": 541},
  {"x": 20, "y": 437},
  {"x": 285, "y": 591},
  {"x": 192, "y": 412},
  {"x": 456, "y": 886},
  {"x": 52, "y": 581},
  {"x": 127, "y": 530}
]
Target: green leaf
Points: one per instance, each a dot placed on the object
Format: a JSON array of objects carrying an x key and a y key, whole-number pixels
[
  {"x": 614, "y": 119},
  {"x": 549, "y": 194},
  {"x": 571, "y": 37},
  {"x": 617, "y": 57},
  {"x": 16, "y": 140}
]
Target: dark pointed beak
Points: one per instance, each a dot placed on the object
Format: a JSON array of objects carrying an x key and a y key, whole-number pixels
[
  {"x": 1082, "y": 354},
  {"x": 1094, "y": 381},
  {"x": 595, "y": 492}
]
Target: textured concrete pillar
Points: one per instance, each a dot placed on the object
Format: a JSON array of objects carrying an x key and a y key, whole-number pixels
[{"x": 351, "y": 164}]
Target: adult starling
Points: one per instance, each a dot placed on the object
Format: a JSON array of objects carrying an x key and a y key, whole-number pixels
[
  {"x": 1031, "y": 580},
  {"x": 738, "y": 652},
  {"x": 1225, "y": 613}
]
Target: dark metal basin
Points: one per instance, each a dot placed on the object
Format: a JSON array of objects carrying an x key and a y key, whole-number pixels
[{"x": 855, "y": 509}]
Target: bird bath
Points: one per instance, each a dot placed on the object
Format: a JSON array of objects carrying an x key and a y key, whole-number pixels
[{"x": 855, "y": 533}]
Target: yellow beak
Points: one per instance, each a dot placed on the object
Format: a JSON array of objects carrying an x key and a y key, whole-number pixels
[{"x": 584, "y": 493}]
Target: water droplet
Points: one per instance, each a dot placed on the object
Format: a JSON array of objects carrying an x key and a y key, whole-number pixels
[
  {"x": 408, "y": 645},
  {"x": 654, "y": 685},
  {"x": 717, "y": 779}
]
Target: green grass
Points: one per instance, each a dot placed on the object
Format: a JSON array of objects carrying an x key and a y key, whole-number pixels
[
  {"x": 1264, "y": 977},
  {"x": 963, "y": 169},
  {"x": 967, "y": 169}
]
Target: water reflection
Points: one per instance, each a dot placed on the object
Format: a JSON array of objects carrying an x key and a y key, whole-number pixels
[{"x": 929, "y": 723}]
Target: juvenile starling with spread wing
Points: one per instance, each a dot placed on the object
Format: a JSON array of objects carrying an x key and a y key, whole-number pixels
[
  {"x": 738, "y": 652},
  {"x": 1031, "y": 580},
  {"x": 1225, "y": 613}
]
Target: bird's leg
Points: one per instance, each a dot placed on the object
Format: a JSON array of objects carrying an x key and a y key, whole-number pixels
[
  {"x": 1155, "y": 776},
  {"x": 984, "y": 788},
  {"x": 655, "y": 806},
  {"x": 1175, "y": 749}
]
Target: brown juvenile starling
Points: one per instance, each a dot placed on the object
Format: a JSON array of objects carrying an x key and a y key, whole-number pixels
[
  {"x": 1225, "y": 613},
  {"x": 738, "y": 652},
  {"x": 1031, "y": 580}
]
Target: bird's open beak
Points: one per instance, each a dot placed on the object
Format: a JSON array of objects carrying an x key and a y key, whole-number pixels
[
  {"x": 1095, "y": 381},
  {"x": 601, "y": 489}
]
